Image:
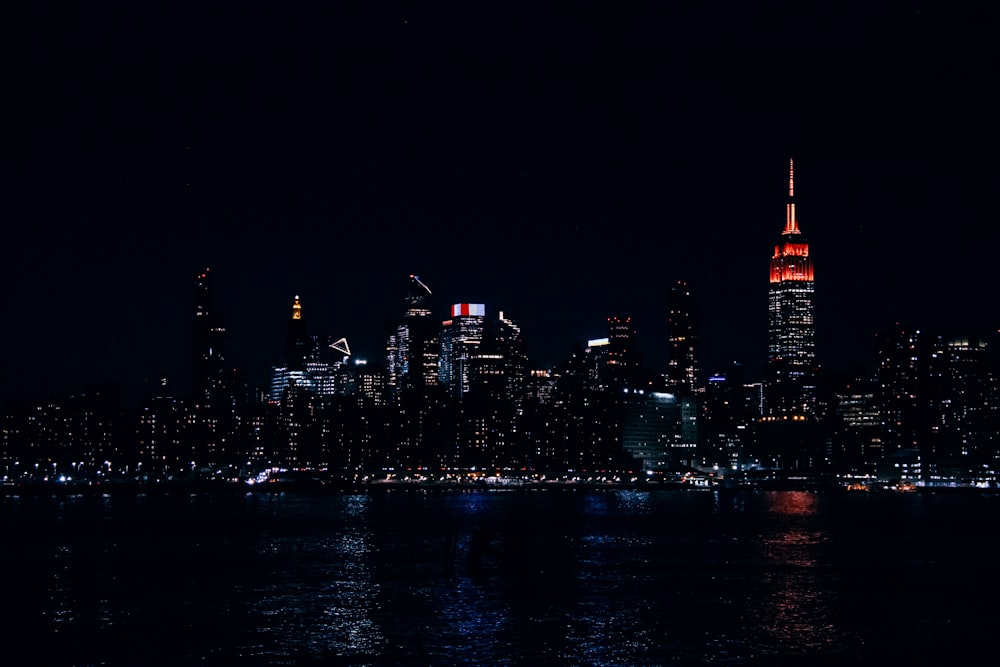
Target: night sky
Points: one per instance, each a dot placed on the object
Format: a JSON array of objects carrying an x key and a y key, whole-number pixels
[{"x": 562, "y": 162}]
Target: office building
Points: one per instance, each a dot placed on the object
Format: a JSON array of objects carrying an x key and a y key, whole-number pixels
[
  {"x": 791, "y": 373},
  {"x": 412, "y": 350},
  {"x": 208, "y": 337},
  {"x": 682, "y": 339},
  {"x": 460, "y": 337}
]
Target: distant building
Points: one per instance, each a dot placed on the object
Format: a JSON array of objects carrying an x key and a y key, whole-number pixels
[
  {"x": 540, "y": 385},
  {"x": 936, "y": 395},
  {"x": 412, "y": 350},
  {"x": 623, "y": 365},
  {"x": 162, "y": 445},
  {"x": 511, "y": 346},
  {"x": 298, "y": 350},
  {"x": 791, "y": 372},
  {"x": 460, "y": 336},
  {"x": 728, "y": 416},
  {"x": 312, "y": 363},
  {"x": 682, "y": 339},
  {"x": 858, "y": 437},
  {"x": 653, "y": 430},
  {"x": 208, "y": 338},
  {"x": 593, "y": 364}
]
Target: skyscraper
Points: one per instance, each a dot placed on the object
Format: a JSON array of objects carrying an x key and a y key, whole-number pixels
[
  {"x": 208, "y": 335},
  {"x": 412, "y": 351},
  {"x": 623, "y": 355},
  {"x": 298, "y": 346},
  {"x": 791, "y": 333},
  {"x": 298, "y": 349},
  {"x": 460, "y": 336},
  {"x": 682, "y": 332},
  {"x": 498, "y": 366}
]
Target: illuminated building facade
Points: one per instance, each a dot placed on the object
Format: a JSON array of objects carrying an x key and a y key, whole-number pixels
[
  {"x": 791, "y": 331},
  {"x": 682, "y": 331},
  {"x": 460, "y": 337}
]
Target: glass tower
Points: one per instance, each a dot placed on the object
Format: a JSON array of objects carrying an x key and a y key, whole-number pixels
[{"x": 460, "y": 336}]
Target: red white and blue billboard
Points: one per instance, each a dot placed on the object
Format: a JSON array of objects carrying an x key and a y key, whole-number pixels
[{"x": 466, "y": 309}]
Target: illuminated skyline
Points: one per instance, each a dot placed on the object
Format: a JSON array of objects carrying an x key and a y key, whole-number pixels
[{"x": 561, "y": 165}]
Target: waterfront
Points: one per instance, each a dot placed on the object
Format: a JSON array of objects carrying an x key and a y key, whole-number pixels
[{"x": 569, "y": 577}]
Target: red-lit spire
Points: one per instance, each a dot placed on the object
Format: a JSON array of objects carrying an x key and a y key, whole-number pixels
[
  {"x": 791, "y": 224},
  {"x": 791, "y": 260}
]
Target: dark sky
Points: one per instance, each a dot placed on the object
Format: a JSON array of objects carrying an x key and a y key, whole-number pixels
[{"x": 559, "y": 161}]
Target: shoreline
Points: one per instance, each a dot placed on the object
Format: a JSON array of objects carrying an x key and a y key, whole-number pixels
[{"x": 321, "y": 487}]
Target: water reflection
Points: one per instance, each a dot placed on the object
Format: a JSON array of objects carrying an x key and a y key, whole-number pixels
[
  {"x": 603, "y": 578},
  {"x": 794, "y": 610},
  {"x": 321, "y": 599}
]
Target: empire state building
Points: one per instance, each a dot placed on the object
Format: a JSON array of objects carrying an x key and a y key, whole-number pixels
[{"x": 791, "y": 333}]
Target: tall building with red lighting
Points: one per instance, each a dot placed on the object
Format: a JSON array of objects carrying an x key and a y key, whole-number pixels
[{"x": 790, "y": 390}]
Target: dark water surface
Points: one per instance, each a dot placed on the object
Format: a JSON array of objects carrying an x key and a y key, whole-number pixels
[{"x": 556, "y": 577}]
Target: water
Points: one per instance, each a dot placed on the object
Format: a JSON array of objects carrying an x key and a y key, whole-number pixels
[{"x": 566, "y": 578}]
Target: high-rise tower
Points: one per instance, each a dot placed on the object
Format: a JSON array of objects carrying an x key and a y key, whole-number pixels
[
  {"x": 208, "y": 365},
  {"x": 623, "y": 356},
  {"x": 412, "y": 351},
  {"x": 682, "y": 325},
  {"x": 791, "y": 332},
  {"x": 460, "y": 336},
  {"x": 298, "y": 346}
]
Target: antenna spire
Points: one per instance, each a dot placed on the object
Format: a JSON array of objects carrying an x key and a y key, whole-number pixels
[{"x": 791, "y": 224}]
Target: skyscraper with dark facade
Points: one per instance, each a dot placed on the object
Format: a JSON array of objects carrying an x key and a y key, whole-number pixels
[
  {"x": 298, "y": 346},
  {"x": 791, "y": 331},
  {"x": 498, "y": 366},
  {"x": 682, "y": 339},
  {"x": 299, "y": 349},
  {"x": 208, "y": 361},
  {"x": 412, "y": 351},
  {"x": 623, "y": 364}
]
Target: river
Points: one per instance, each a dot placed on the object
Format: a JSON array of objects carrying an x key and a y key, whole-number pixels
[{"x": 500, "y": 577}]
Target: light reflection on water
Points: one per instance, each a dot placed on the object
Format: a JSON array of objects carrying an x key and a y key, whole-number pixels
[
  {"x": 564, "y": 578},
  {"x": 794, "y": 610}
]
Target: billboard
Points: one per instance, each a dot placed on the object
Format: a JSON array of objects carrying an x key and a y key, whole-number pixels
[{"x": 466, "y": 309}]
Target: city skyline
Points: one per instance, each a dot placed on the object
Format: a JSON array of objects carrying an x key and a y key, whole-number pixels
[
  {"x": 563, "y": 167},
  {"x": 184, "y": 382}
]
